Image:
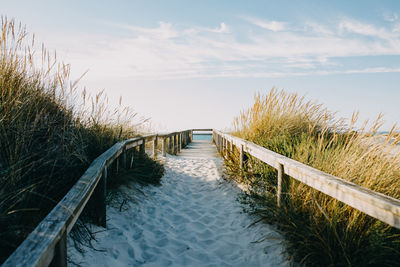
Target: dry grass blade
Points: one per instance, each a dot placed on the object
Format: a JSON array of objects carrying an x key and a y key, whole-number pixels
[
  {"x": 48, "y": 135},
  {"x": 322, "y": 231}
]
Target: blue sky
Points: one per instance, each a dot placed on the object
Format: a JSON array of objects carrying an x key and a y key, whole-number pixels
[{"x": 198, "y": 63}]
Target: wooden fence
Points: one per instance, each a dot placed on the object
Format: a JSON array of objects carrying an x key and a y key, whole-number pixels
[
  {"x": 46, "y": 245},
  {"x": 379, "y": 206}
]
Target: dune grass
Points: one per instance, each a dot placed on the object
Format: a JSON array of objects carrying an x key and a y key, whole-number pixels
[
  {"x": 320, "y": 230},
  {"x": 49, "y": 133}
]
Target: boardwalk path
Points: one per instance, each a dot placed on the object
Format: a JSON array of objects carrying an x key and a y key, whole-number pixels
[{"x": 193, "y": 219}]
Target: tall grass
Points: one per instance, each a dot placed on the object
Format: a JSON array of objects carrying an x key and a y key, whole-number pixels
[
  {"x": 49, "y": 133},
  {"x": 320, "y": 230}
]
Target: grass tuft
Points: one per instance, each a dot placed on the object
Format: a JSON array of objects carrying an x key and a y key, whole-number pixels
[
  {"x": 49, "y": 132},
  {"x": 320, "y": 230}
]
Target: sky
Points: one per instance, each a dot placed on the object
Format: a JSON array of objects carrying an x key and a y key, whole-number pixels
[{"x": 197, "y": 64}]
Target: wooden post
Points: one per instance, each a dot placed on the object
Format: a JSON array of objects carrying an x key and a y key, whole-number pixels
[
  {"x": 175, "y": 144},
  {"x": 60, "y": 252},
  {"x": 186, "y": 138},
  {"x": 155, "y": 147},
  {"x": 241, "y": 157},
  {"x": 117, "y": 164},
  {"x": 223, "y": 147},
  {"x": 180, "y": 142},
  {"x": 164, "y": 146},
  {"x": 171, "y": 140},
  {"x": 173, "y": 152},
  {"x": 227, "y": 148},
  {"x": 281, "y": 185},
  {"x": 191, "y": 136},
  {"x": 142, "y": 149},
  {"x": 178, "y": 145},
  {"x": 99, "y": 201},
  {"x": 124, "y": 164}
]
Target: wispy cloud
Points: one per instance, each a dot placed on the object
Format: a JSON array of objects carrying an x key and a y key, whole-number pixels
[
  {"x": 222, "y": 28},
  {"x": 271, "y": 25},
  {"x": 353, "y": 26},
  {"x": 169, "y": 51},
  {"x": 391, "y": 17},
  {"x": 396, "y": 28},
  {"x": 318, "y": 28}
]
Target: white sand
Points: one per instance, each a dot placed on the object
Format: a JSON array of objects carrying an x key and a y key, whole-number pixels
[{"x": 192, "y": 219}]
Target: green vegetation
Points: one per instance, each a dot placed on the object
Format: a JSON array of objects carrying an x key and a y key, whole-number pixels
[
  {"x": 320, "y": 230},
  {"x": 48, "y": 135}
]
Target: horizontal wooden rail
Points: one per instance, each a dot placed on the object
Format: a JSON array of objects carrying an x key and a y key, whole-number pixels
[
  {"x": 202, "y": 130},
  {"x": 47, "y": 242},
  {"x": 377, "y": 205}
]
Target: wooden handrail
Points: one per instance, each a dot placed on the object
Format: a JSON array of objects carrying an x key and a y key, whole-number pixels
[
  {"x": 47, "y": 242},
  {"x": 377, "y": 205},
  {"x": 202, "y": 130}
]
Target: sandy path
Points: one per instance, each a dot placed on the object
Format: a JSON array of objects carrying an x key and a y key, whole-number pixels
[{"x": 193, "y": 219}]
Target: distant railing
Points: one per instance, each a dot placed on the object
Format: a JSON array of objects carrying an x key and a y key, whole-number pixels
[
  {"x": 46, "y": 245},
  {"x": 377, "y": 205},
  {"x": 202, "y": 131}
]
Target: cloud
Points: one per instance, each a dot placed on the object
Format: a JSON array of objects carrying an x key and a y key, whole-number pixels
[
  {"x": 169, "y": 51},
  {"x": 396, "y": 28},
  {"x": 222, "y": 28},
  {"x": 318, "y": 28},
  {"x": 163, "y": 31},
  {"x": 275, "y": 26},
  {"x": 353, "y": 26},
  {"x": 391, "y": 17}
]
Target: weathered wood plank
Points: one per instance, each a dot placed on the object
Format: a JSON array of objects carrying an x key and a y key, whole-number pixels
[
  {"x": 164, "y": 146},
  {"x": 241, "y": 156},
  {"x": 142, "y": 149},
  {"x": 47, "y": 239},
  {"x": 60, "y": 252},
  {"x": 377, "y": 205},
  {"x": 39, "y": 248},
  {"x": 202, "y": 130},
  {"x": 281, "y": 188},
  {"x": 155, "y": 148},
  {"x": 170, "y": 144}
]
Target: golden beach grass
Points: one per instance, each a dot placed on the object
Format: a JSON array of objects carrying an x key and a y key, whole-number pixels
[
  {"x": 320, "y": 230},
  {"x": 49, "y": 132}
]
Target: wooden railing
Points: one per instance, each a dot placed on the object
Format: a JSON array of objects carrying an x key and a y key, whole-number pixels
[
  {"x": 47, "y": 243},
  {"x": 379, "y": 206}
]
